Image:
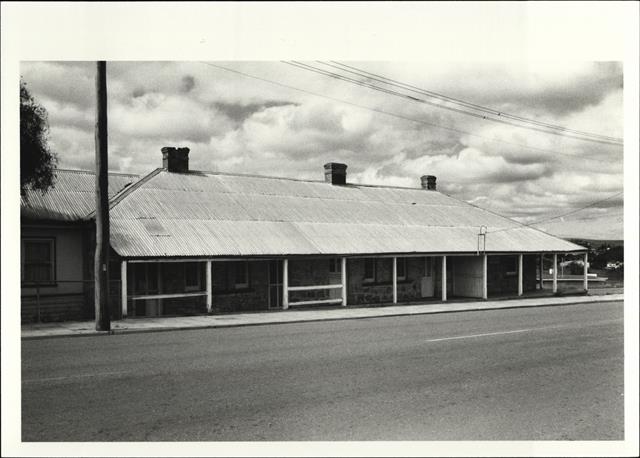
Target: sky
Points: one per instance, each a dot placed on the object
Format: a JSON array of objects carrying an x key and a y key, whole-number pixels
[{"x": 235, "y": 123}]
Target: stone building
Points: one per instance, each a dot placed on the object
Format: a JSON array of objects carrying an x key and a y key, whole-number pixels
[{"x": 191, "y": 242}]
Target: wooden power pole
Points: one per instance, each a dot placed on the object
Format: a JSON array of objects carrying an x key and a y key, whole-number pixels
[{"x": 101, "y": 261}]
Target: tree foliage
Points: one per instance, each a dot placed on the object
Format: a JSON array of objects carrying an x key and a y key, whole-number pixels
[{"x": 37, "y": 162}]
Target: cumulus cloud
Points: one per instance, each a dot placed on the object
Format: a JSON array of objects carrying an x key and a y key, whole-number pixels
[
  {"x": 237, "y": 124},
  {"x": 188, "y": 83},
  {"x": 240, "y": 112}
]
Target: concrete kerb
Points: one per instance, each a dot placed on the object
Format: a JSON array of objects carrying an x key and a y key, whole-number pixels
[{"x": 471, "y": 308}]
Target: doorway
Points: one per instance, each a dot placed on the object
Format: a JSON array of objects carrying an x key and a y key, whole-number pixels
[
  {"x": 335, "y": 277},
  {"x": 427, "y": 284},
  {"x": 275, "y": 284}
]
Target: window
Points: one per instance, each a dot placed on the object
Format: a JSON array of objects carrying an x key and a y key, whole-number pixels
[
  {"x": 192, "y": 276},
  {"x": 401, "y": 268},
  {"x": 511, "y": 265},
  {"x": 38, "y": 260},
  {"x": 384, "y": 270},
  {"x": 335, "y": 266},
  {"x": 241, "y": 274},
  {"x": 144, "y": 278},
  {"x": 427, "y": 267},
  {"x": 369, "y": 270}
]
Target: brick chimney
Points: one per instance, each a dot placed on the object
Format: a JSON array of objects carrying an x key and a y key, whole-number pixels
[
  {"x": 175, "y": 160},
  {"x": 335, "y": 173},
  {"x": 428, "y": 182}
]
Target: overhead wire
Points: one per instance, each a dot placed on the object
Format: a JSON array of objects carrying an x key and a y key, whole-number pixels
[
  {"x": 406, "y": 118},
  {"x": 571, "y": 212},
  {"x": 334, "y": 75},
  {"x": 383, "y": 79},
  {"x": 220, "y": 67}
]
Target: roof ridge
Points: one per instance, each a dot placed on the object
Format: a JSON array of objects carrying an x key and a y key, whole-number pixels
[
  {"x": 93, "y": 172},
  {"x": 124, "y": 192},
  {"x": 253, "y": 175}
]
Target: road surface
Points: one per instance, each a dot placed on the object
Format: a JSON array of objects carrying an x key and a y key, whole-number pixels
[{"x": 552, "y": 373}]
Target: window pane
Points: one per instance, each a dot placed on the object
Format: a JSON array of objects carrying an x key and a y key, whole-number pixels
[
  {"x": 368, "y": 269},
  {"x": 38, "y": 260},
  {"x": 38, "y": 251},
  {"x": 191, "y": 274},
  {"x": 385, "y": 270},
  {"x": 402, "y": 267},
  {"x": 37, "y": 272}
]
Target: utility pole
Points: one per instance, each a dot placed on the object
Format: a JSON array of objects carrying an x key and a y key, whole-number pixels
[{"x": 101, "y": 260}]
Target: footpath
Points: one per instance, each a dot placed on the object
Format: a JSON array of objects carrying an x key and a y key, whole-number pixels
[{"x": 155, "y": 324}]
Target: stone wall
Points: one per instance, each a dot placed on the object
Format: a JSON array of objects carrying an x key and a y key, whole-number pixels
[
  {"x": 227, "y": 298},
  {"x": 381, "y": 290},
  {"x": 502, "y": 274},
  {"x": 312, "y": 272}
]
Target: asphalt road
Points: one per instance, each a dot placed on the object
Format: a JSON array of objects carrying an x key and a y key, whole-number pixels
[{"x": 553, "y": 373}]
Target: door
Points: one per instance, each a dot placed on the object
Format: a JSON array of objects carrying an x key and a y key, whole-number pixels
[
  {"x": 275, "y": 284},
  {"x": 335, "y": 277},
  {"x": 145, "y": 281},
  {"x": 427, "y": 281}
]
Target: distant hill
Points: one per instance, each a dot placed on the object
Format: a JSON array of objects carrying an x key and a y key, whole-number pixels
[{"x": 590, "y": 228}]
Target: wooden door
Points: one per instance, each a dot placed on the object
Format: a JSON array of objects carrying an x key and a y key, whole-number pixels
[{"x": 427, "y": 282}]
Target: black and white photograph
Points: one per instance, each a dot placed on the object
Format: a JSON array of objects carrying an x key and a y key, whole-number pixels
[{"x": 234, "y": 238}]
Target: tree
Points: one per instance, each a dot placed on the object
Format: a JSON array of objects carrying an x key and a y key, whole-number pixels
[{"x": 37, "y": 162}]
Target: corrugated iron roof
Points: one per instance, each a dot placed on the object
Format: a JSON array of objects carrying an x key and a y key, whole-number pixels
[
  {"x": 203, "y": 214},
  {"x": 72, "y": 198}
]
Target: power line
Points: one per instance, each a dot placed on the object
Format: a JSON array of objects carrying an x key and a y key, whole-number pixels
[
  {"x": 320, "y": 71},
  {"x": 395, "y": 115},
  {"x": 535, "y": 223},
  {"x": 603, "y": 215},
  {"x": 392, "y": 82}
]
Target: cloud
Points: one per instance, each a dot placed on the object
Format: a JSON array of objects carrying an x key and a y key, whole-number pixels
[
  {"x": 472, "y": 166},
  {"x": 166, "y": 117},
  {"x": 234, "y": 123},
  {"x": 240, "y": 112},
  {"x": 68, "y": 83},
  {"x": 548, "y": 89},
  {"x": 138, "y": 92},
  {"x": 188, "y": 83}
]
